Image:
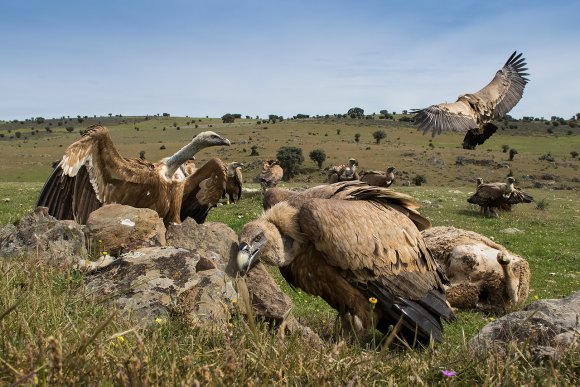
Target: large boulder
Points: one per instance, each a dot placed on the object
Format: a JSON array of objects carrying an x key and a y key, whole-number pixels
[
  {"x": 483, "y": 275},
  {"x": 548, "y": 327},
  {"x": 42, "y": 235},
  {"x": 118, "y": 228},
  {"x": 150, "y": 282}
]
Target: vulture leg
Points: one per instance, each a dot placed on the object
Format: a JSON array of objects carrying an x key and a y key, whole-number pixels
[{"x": 475, "y": 137}]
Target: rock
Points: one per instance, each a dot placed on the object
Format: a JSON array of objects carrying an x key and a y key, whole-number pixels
[
  {"x": 483, "y": 275},
  {"x": 511, "y": 230},
  {"x": 154, "y": 281},
  {"x": 549, "y": 328},
  {"x": 121, "y": 228},
  {"x": 211, "y": 236},
  {"x": 44, "y": 236}
]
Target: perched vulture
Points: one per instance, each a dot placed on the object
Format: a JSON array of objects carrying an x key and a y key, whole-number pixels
[
  {"x": 343, "y": 172},
  {"x": 323, "y": 245},
  {"x": 473, "y": 113},
  {"x": 92, "y": 173},
  {"x": 234, "y": 181},
  {"x": 490, "y": 196},
  {"x": 271, "y": 174},
  {"x": 378, "y": 178}
]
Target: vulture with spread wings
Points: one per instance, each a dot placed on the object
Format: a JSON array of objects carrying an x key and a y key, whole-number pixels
[
  {"x": 492, "y": 196},
  {"x": 93, "y": 173},
  {"x": 323, "y": 245},
  {"x": 473, "y": 113}
]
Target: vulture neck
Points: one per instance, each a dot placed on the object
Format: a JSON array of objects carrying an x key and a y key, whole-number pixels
[{"x": 181, "y": 156}]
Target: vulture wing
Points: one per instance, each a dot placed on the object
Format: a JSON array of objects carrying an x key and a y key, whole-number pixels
[
  {"x": 519, "y": 196},
  {"x": 492, "y": 102},
  {"x": 203, "y": 190},
  {"x": 383, "y": 255},
  {"x": 88, "y": 174}
]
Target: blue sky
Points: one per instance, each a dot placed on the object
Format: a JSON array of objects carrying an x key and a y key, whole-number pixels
[{"x": 201, "y": 58}]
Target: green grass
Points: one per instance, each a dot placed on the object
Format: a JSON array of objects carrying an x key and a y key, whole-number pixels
[{"x": 57, "y": 333}]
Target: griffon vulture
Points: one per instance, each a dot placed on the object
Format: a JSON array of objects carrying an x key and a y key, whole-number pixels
[
  {"x": 473, "y": 113},
  {"x": 323, "y": 245},
  {"x": 490, "y": 196},
  {"x": 378, "y": 178},
  {"x": 271, "y": 174},
  {"x": 92, "y": 173},
  {"x": 234, "y": 181},
  {"x": 343, "y": 172}
]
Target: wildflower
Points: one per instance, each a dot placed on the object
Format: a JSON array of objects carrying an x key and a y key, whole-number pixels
[
  {"x": 105, "y": 253},
  {"x": 158, "y": 321},
  {"x": 448, "y": 373},
  {"x": 373, "y": 300},
  {"x": 536, "y": 297},
  {"x": 121, "y": 339},
  {"x": 491, "y": 319}
]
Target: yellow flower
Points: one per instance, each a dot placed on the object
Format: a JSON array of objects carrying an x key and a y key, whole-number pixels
[
  {"x": 491, "y": 319},
  {"x": 105, "y": 253},
  {"x": 159, "y": 321},
  {"x": 536, "y": 297},
  {"x": 121, "y": 339},
  {"x": 373, "y": 300}
]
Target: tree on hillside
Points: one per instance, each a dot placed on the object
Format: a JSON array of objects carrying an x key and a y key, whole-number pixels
[
  {"x": 355, "y": 112},
  {"x": 379, "y": 135},
  {"x": 228, "y": 118},
  {"x": 318, "y": 156},
  {"x": 291, "y": 159}
]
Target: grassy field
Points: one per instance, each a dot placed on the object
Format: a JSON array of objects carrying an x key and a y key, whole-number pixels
[{"x": 57, "y": 333}]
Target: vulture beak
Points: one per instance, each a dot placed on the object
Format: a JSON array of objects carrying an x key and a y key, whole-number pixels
[{"x": 246, "y": 258}]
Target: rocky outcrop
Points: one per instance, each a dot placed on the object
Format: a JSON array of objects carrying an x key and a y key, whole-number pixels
[
  {"x": 117, "y": 228},
  {"x": 483, "y": 275},
  {"x": 549, "y": 328},
  {"x": 39, "y": 234}
]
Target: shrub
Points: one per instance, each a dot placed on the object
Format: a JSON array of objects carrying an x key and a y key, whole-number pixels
[
  {"x": 291, "y": 159},
  {"x": 254, "y": 152},
  {"x": 228, "y": 118},
  {"x": 379, "y": 135},
  {"x": 574, "y": 154},
  {"x": 337, "y": 131},
  {"x": 70, "y": 129},
  {"x": 419, "y": 180},
  {"x": 505, "y": 148},
  {"x": 513, "y": 152},
  {"x": 142, "y": 154},
  {"x": 357, "y": 138},
  {"x": 542, "y": 205},
  {"x": 355, "y": 112},
  {"x": 547, "y": 157},
  {"x": 162, "y": 147},
  {"x": 318, "y": 156}
]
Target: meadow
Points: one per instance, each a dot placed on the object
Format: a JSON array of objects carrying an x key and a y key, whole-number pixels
[{"x": 52, "y": 331}]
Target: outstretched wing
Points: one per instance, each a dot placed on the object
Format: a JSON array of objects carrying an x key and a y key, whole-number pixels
[
  {"x": 492, "y": 102},
  {"x": 203, "y": 190},
  {"x": 507, "y": 87},
  {"x": 88, "y": 175}
]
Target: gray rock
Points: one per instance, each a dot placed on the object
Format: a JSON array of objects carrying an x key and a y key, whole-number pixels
[
  {"x": 548, "y": 327},
  {"x": 42, "y": 235},
  {"x": 117, "y": 228},
  {"x": 150, "y": 282}
]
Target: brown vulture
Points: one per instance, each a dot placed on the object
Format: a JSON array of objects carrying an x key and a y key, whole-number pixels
[
  {"x": 473, "y": 113},
  {"x": 271, "y": 174},
  {"x": 343, "y": 172},
  {"x": 491, "y": 196},
  {"x": 378, "y": 178},
  {"x": 234, "y": 181},
  {"x": 92, "y": 173},
  {"x": 323, "y": 245}
]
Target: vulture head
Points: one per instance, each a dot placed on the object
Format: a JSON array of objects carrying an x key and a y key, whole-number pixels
[
  {"x": 259, "y": 240},
  {"x": 390, "y": 169},
  {"x": 233, "y": 166},
  {"x": 478, "y": 181}
]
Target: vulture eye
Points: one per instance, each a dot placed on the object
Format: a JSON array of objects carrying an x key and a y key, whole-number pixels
[{"x": 258, "y": 238}]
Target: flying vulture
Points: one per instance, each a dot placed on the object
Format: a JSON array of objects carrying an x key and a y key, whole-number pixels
[
  {"x": 378, "y": 178},
  {"x": 234, "y": 181},
  {"x": 491, "y": 196},
  {"x": 473, "y": 113},
  {"x": 271, "y": 174},
  {"x": 323, "y": 245},
  {"x": 343, "y": 172},
  {"x": 92, "y": 173}
]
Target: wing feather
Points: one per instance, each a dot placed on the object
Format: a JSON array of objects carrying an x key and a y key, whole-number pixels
[{"x": 203, "y": 190}]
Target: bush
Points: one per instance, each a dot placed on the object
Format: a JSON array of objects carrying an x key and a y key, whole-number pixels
[
  {"x": 357, "y": 138},
  {"x": 162, "y": 147},
  {"x": 419, "y": 180},
  {"x": 379, "y": 135},
  {"x": 291, "y": 159},
  {"x": 574, "y": 154},
  {"x": 70, "y": 129},
  {"x": 228, "y": 118},
  {"x": 337, "y": 131},
  {"x": 142, "y": 154},
  {"x": 505, "y": 148},
  {"x": 513, "y": 152},
  {"x": 355, "y": 112},
  {"x": 318, "y": 156},
  {"x": 542, "y": 205},
  {"x": 254, "y": 149}
]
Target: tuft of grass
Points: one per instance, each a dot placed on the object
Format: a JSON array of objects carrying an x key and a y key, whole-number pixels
[{"x": 542, "y": 205}]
